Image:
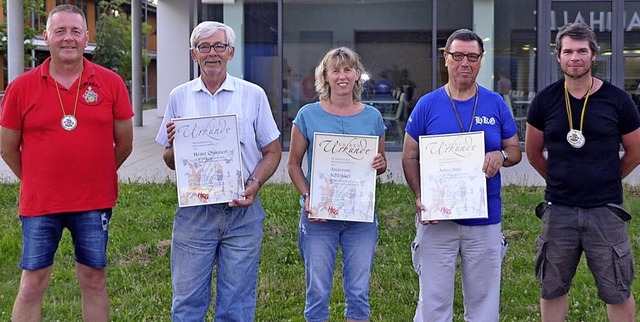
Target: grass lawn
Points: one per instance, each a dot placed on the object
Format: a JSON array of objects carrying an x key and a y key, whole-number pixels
[{"x": 139, "y": 277}]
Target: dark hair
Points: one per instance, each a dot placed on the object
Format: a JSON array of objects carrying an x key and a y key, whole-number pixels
[
  {"x": 577, "y": 31},
  {"x": 69, "y": 8},
  {"x": 464, "y": 35}
]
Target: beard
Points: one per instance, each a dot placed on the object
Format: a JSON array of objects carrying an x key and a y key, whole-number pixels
[{"x": 576, "y": 73}]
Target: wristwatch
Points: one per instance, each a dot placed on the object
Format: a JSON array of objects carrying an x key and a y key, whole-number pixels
[{"x": 504, "y": 155}]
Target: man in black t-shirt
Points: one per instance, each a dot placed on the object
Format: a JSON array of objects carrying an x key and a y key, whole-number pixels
[{"x": 581, "y": 121}]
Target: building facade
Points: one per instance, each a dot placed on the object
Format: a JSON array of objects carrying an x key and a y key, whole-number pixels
[
  {"x": 279, "y": 42},
  {"x": 92, "y": 11}
]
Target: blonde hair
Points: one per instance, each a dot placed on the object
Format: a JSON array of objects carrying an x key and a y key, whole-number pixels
[{"x": 337, "y": 57}]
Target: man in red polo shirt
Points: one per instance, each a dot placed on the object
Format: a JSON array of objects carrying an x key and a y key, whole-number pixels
[{"x": 65, "y": 129}]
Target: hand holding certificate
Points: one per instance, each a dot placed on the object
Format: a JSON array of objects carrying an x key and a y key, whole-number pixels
[
  {"x": 208, "y": 160},
  {"x": 452, "y": 184},
  {"x": 343, "y": 183}
]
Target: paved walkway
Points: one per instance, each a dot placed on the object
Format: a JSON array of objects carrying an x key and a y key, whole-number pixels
[{"x": 146, "y": 165}]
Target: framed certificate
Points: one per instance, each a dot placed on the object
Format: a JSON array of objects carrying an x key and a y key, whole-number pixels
[
  {"x": 208, "y": 160},
  {"x": 343, "y": 183},
  {"x": 452, "y": 184}
]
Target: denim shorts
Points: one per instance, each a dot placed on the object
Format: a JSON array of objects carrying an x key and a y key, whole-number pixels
[
  {"x": 598, "y": 232},
  {"x": 41, "y": 236}
]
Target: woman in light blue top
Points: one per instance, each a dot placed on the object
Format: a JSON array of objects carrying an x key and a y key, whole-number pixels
[{"x": 339, "y": 111}]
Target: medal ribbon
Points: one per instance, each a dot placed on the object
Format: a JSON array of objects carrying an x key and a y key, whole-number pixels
[
  {"x": 455, "y": 110},
  {"x": 568, "y": 105},
  {"x": 75, "y": 108}
]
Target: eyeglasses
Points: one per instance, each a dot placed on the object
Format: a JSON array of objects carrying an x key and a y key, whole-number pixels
[
  {"x": 458, "y": 56},
  {"x": 218, "y": 48}
]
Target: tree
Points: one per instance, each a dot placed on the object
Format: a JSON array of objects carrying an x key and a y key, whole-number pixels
[
  {"x": 113, "y": 39},
  {"x": 32, "y": 8}
]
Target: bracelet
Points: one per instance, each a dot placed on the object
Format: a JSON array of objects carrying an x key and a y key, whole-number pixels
[
  {"x": 305, "y": 195},
  {"x": 254, "y": 178}
]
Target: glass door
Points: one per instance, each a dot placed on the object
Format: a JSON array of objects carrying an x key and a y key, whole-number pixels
[{"x": 392, "y": 38}]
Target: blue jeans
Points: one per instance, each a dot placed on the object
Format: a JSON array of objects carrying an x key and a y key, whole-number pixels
[
  {"x": 229, "y": 237},
  {"x": 41, "y": 237},
  {"x": 318, "y": 244}
]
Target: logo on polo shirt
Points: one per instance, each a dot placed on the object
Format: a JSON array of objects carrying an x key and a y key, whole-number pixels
[{"x": 90, "y": 96}]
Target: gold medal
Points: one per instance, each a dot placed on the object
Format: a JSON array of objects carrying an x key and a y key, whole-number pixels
[{"x": 575, "y": 137}]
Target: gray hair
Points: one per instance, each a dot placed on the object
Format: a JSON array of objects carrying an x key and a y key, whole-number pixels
[
  {"x": 336, "y": 57},
  {"x": 577, "y": 31},
  {"x": 207, "y": 28},
  {"x": 464, "y": 35},
  {"x": 68, "y": 8}
]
